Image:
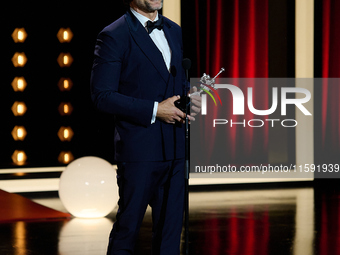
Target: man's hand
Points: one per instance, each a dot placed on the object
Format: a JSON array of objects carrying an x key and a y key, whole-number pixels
[
  {"x": 196, "y": 102},
  {"x": 168, "y": 112}
]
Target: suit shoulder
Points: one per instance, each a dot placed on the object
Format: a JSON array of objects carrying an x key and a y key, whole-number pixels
[
  {"x": 113, "y": 41},
  {"x": 116, "y": 28}
]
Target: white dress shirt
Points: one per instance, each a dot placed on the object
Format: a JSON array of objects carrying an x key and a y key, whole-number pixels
[{"x": 158, "y": 37}]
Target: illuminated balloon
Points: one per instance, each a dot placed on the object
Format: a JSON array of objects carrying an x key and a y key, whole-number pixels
[{"x": 88, "y": 187}]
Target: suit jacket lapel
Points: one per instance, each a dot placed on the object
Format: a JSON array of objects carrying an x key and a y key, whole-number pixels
[
  {"x": 146, "y": 44},
  {"x": 174, "y": 51}
]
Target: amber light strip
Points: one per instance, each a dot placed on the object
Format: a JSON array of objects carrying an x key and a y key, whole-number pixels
[{"x": 304, "y": 68}]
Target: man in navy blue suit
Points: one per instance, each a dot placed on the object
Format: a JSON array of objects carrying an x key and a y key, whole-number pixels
[{"x": 137, "y": 76}]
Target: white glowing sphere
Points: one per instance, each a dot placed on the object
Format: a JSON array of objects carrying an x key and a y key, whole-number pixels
[{"x": 88, "y": 187}]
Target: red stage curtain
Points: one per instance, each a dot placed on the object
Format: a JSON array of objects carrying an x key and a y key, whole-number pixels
[
  {"x": 234, "y": 35},
  {"x": 330, "y": 91}
]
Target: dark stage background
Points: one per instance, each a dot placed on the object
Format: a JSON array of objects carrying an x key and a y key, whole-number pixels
[
  {"x": 248, "y": 38},
  {"x": 93, "y": 131}
]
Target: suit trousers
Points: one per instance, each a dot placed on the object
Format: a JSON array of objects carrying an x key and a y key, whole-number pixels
[{"x": 160, "y": 185}]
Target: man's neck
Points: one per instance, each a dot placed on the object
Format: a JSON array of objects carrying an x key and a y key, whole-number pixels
[{"x": 149, "y": 15}]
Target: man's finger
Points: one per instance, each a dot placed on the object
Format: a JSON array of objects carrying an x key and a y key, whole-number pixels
[
  {"x": 181, "y": 114},
  {"x": 177, "y": 118},
  {"x": 196, "y": 109},
  {"x": 196, "y": 103},
  {"x": 191, "y": 118},
  {"x": 174, "y": 98},
  {"x": 196, "y": 100}
]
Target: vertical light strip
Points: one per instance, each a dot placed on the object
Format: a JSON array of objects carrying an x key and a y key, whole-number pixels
[
  {"x": 172, "y": 10},
  {"x": 304, "y": 68},
  {"x": 304, "y": 218},
  {"x": 304, "y": 38},
  {"x": 304, "y": 144}
]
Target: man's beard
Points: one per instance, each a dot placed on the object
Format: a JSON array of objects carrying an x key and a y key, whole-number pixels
[{"x": 149, "y": 8}]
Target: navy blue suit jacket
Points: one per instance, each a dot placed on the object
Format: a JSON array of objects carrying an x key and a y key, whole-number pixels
[{"x": 128, "y": 76}]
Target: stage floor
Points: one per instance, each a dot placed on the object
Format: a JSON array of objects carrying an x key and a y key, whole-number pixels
[{"x": 223, "y": 221}]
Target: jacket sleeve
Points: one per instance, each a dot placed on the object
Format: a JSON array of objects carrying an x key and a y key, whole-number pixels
[{"x": 105, "y": 79}]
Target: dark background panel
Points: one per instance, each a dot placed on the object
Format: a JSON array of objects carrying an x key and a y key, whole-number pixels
[{"x": 42, "y": 20}]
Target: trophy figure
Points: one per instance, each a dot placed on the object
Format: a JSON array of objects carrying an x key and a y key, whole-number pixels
[{"x": 205, "y": 82}]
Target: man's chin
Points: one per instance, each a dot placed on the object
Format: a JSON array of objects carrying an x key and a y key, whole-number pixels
[
  {"x": 156, "y": 8},
  {"x": 155, "y": 5}
]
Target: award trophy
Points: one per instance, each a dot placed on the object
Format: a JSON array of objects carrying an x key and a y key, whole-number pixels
[{"x": 205, "y": 82}]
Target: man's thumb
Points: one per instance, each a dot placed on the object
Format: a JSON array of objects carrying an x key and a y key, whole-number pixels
[{"x": 174, "y": 98}]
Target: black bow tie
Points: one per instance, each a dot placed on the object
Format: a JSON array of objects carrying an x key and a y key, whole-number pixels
[{"x": 152, "y": 25}]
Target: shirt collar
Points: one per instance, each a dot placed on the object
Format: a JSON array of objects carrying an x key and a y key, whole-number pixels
[{"x": 142, "y": 19}]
